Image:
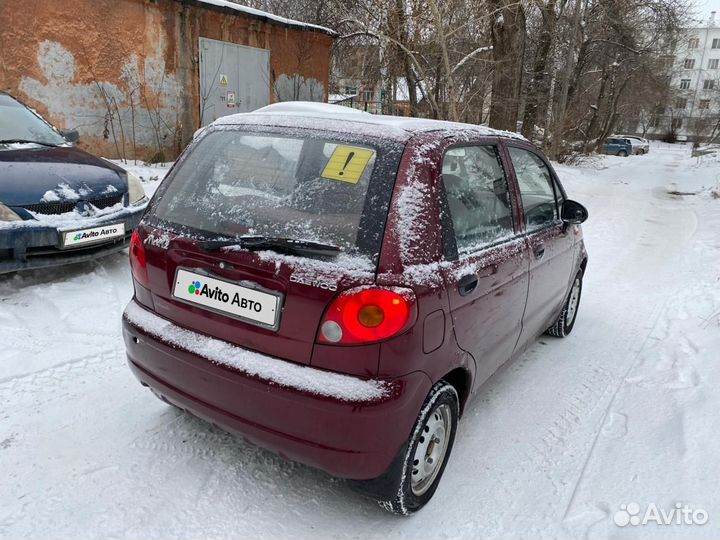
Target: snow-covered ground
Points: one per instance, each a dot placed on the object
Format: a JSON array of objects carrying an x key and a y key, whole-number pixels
[
  {"x": 149, "y": 173},
  {"x": 623, "y": 411}
]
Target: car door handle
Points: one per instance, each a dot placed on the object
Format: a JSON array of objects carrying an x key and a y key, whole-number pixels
[
  {"x": 539, "y": 251},
  {"x": 467, "y": 284}
]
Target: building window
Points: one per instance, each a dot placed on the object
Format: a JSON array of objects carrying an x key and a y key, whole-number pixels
[
  {"x": 708, "y": 84},
  {"x": 677, "y": 123},
  {"x": 716, "y": 43},
  {"x": 684, "y": 84},
  {"x": 713, "y": 63},
  {"x": 654, "y": 121},
  {"x": 693, "y": 43},
  {"x": 351, "y": 91},
  {"x": 680, "y": 103},
  {"x": 704, "y": 104},
  {"x": 368, "y": 95},
  {"x": 689, "y": 63}
]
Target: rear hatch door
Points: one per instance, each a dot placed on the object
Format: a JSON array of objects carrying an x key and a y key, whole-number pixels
[{"x": 257, "y": 230}]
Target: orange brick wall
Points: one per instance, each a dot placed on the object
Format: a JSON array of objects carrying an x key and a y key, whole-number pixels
[{"x": 126, "y": 72}]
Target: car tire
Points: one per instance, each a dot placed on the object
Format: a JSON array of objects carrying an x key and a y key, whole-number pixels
[
  {"x": 566, "y": 320},
  {"x": 432, "y": 438},
  {"x": 622, "y": 153}
]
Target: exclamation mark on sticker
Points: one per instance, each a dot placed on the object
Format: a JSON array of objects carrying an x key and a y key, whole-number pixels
[{"x": 348, "y": 160}]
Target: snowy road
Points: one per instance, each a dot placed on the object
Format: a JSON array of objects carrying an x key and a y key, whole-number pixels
[{"x": 623, "y": 411}]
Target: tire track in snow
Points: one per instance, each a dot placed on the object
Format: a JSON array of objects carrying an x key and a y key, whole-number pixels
[
  {"x": 553, "y": 436},
  {"x": 673, "y": 225},
  {"x": 666, "y": 369},
  {"x": 636, "y": 359},
  {"x": 50, "y": 383}
]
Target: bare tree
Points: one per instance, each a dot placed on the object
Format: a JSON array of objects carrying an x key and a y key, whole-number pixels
[
  {"x": 508, "y": 41},
  {"x": 574, "y": 69}
]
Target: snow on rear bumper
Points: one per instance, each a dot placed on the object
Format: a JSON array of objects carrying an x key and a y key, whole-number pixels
[{"x": 347, "y": 426}]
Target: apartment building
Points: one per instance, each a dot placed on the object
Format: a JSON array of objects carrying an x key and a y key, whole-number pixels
[{"x": 694, "y": 103}]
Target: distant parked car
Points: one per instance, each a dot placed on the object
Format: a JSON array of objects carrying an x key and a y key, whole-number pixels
[
  {"x": 335, "y": 286},
  {"x": 617, "y": 146},
  {"x": 640, "y": 145},
  {"x": 58, "y": 204}
]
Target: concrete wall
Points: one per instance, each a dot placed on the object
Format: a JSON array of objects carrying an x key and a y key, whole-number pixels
[{"x": 125, "y": 73}]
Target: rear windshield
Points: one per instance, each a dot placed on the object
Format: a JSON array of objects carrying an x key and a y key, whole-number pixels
[{"x": 305, "y": 186}]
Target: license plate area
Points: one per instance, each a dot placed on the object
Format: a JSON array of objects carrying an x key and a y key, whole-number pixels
[
  {"x": 91, "y": 235},
  {"x": 245, "y": 301}
]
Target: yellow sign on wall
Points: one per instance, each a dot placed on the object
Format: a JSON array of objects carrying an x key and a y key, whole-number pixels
[{"x": 347, "y": 164}]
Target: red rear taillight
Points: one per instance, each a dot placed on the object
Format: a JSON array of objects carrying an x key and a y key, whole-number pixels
[
  {"x": 138, "y": 263},
  {"x": 364, "y": 315}
]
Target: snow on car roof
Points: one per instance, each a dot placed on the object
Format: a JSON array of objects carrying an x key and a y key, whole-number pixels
[
  {"x": 310, "y": 107},
  {"x": 306, "y": 114},
  {"x": 266, "y": 15}
]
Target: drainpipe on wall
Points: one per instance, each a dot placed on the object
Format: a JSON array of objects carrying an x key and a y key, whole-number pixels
[{"x": 185, "y": 76}]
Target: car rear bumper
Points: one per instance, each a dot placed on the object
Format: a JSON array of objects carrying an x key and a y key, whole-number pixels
[
  {"x": 346, "y": 437},
  {"x": 33, "y": 245}
]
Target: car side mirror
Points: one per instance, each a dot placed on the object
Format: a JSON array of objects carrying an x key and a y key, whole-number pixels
[
  {"x": 71, "y": 135},
  {"x": 573, "y": 212}
]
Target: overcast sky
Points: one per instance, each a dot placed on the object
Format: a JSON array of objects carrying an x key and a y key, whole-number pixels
[{"x": 704, "y": 7}]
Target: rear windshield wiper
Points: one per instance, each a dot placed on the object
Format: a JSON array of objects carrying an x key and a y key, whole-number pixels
[
  {"x": 276, "y": 243},
  {"x": 26, "y": 141}
]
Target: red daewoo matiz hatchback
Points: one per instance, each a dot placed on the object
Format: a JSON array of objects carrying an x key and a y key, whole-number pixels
[{"x": 335, "y": 285}]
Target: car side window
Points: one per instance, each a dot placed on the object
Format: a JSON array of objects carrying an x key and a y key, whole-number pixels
[
  {"x": 478, "y": 198},
  {"x": 558, "y": 194},
  {"x": 536, "y": 189}
]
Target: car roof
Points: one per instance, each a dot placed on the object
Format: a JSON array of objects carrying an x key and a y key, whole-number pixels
[{"x": 304, "y": 114}]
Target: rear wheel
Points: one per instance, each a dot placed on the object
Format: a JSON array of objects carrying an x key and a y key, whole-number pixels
[
  {"x": 566, "y": 320},
  {"x": 622, "y": 153},
  {"x": 427, "y": 452}
]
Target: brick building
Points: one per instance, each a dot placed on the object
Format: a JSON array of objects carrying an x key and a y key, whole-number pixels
[{"x": 138, "y": 77}]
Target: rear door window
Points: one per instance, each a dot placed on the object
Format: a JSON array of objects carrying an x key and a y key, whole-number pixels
[
  {"x": 236, "y": 183},
  {"x": 537, "y": 190},
  {"x": 478, "y": 198}
]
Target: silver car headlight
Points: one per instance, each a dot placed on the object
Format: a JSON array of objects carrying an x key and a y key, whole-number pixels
[
  {"x": 136, "y": 191},
  {"x": 8, "y": 215}
]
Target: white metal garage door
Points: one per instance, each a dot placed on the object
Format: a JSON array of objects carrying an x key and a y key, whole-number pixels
[{"x": 233, "y": 78}]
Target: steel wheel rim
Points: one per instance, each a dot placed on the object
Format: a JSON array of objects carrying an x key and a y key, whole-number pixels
[
  {"x": 431, "y": 449},
  {"x": 574, "y": 301}
]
